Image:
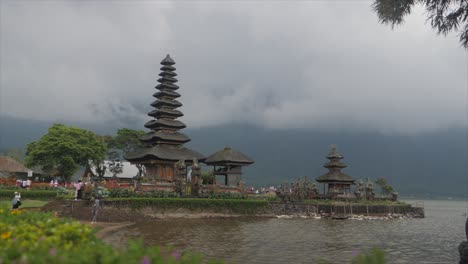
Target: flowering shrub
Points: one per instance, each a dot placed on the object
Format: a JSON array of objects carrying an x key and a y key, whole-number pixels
[
  {"x": 35, "y": 237},
  {"x": 126, "y": 193}
]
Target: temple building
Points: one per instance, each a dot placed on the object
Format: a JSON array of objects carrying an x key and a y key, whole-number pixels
[
  {"x": 164, "y": 144},
  {"x": 337, "y": 182},
  {"x": 228, "y": 163}
]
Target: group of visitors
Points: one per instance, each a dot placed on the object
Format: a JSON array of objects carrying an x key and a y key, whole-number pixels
[
  {"x": 24, "y": 184},
  {"x": 262, "y": 189}
]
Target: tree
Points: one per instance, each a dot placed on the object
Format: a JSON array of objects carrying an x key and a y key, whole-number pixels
[
  {"x": 115, "y": 167},
  {"x": 64, "y": 149},
  {"x": 445, "y": 15},
  {"x": 127, "y": 139},
  {"x": 99, "y": 165},
  {"x": 384, "y": 187}
]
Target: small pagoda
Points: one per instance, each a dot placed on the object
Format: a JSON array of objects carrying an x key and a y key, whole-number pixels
[
  {"x": 164, "y": 144},
  {"x": 337, "y": 183},
  {"x": 228, "y": 163}
]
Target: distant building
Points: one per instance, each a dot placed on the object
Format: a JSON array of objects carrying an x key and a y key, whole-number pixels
[
  {"x": 129, "y": 170},
  {"x": 12, "y": 168},
  {"x": 228, "y": 163},
  {"x": 337, "y": 182}
]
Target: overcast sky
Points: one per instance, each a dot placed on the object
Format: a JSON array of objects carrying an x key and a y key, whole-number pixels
[{"x": 295, "y": 64}]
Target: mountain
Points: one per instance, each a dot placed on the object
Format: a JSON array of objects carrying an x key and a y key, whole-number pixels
[{"x": 429, "y": 164}]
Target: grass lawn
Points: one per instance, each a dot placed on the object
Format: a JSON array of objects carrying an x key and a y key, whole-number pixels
[{"x": 25, "y": 203}]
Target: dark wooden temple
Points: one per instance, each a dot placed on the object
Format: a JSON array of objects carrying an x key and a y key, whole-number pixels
[
  {"x": 337, "y": 183},
  {"x": 164, "y": 144},
  {"x": 228, "y": 163}
]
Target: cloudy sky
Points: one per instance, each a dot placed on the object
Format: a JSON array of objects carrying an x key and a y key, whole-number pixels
[{"x": 295, "y": 64}]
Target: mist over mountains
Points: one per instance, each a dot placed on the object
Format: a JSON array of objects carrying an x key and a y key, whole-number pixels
[{"x": 432, "y": 164}]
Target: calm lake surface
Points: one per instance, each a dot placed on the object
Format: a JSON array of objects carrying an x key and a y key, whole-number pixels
[{"x": 434, "y": 239}]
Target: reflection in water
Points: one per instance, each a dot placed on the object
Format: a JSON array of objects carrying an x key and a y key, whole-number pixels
[{"x": 433, "y": 239}]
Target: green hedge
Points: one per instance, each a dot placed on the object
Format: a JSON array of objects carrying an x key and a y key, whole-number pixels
[
  {"x": 28, "y": 194},
  {"x": 222, "y": 205}
]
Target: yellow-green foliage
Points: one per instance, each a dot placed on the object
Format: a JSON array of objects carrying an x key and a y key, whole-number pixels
[{"x": 36, "y": 237}]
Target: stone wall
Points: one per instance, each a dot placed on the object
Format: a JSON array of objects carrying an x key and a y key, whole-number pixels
[
  {"x": 367, "y": 210},
  {"x": 113, "y": 212}
]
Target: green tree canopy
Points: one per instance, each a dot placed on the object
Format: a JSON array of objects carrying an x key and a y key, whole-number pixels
[
  {"x": 384, "y": 187},
  {"x": 444, "y": 15},
  {"x": 64, "y": 149},
  {"x": 127, "y": 139}
]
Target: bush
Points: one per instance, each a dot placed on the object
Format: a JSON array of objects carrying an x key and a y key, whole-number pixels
[
  {"x": 227, "y": 196},
  {"x": 216, "y": 205},
  {"x": 29, "y": 194},
  {"x": 35, "y": 237},
  {"x": 127, "y": 193}
]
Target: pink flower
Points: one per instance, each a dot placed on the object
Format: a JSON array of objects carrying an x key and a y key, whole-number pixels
[
  {"x": 146, "y": 260},
  {"x": 176, "y": 255},
  {"x": 53, "y": 252}
]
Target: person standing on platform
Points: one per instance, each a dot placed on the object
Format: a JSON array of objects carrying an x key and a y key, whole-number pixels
[{"x": 79, "y": 190}]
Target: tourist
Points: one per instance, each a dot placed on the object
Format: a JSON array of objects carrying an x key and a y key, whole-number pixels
[
  {"x": 96, "y": 208},
  {"x": 16, "y": 200},
  {"x": 79, "y": 190}
]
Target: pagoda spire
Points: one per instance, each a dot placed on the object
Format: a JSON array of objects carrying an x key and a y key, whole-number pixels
[
  {"x": 165, "y": 125},
  {"x": 338, "y": 182}
]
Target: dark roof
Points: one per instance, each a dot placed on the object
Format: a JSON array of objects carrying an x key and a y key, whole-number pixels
[
  {"x": 163, "y": 153},
  {"x": 163, "y": 102},
  {"x": 155, "y": 136},
  {"x": 167, "y": 79},
  {"x": 228, "y": 156},
  {"x": 8, "y": 164},
  {"x": 168, "y": 73},
  {"x": 335, "y": 177},
  {"x": 168, "y": 112},
  {"x": 168, "y": 60},
  {"x": 167, "y": 68},
  {"x": 335, "y": 164},
  {"x": 165, "y": 123},
  {"x": 167, "y": 85},
  {"x": 334, "y": 154},
  {"x": 167, "y": 93}
]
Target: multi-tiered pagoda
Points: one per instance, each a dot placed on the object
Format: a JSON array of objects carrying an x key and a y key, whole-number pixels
[
  {"x": 337, "y": 182},
  {"x": 164, "y": 144}
]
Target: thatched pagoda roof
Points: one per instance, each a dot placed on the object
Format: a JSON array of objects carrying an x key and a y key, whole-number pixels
[
  {"x": 168, "y": 61},
  {"x": 334, "y": 166},
  {"x": 167, "y": 93},
  {"x": 157, "y": 113},
  {"x": 335, "y": 177},
  {"x": 228, "y": 156},
  {"x": 163, "y": 153},
  {"x": 164, "y": 102},
  {"x": 165, "y": 124},
  {"x": 155, "y": 136}
]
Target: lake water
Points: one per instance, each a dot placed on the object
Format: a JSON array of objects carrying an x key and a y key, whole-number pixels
[{"x": 434, "y": 239}]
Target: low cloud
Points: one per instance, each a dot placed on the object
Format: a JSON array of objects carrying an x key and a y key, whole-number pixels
[{"x": 327, "y": 65}]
